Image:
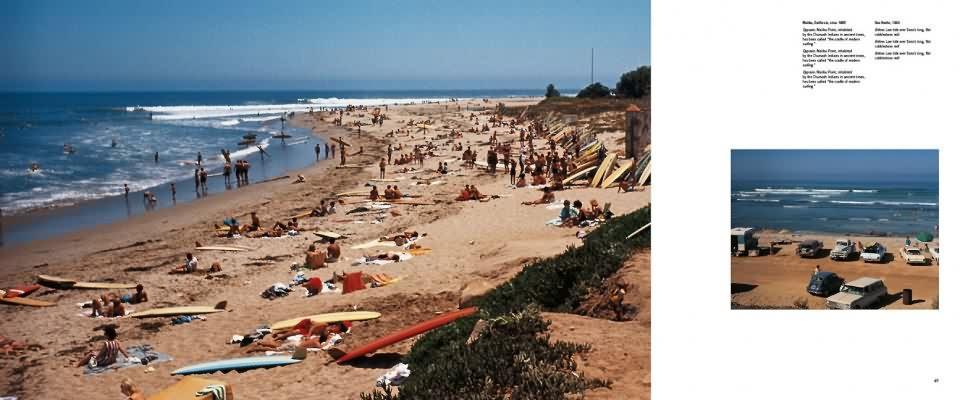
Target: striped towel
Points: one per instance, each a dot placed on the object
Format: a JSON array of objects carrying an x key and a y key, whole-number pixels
[{"x": 218, "y": 391}]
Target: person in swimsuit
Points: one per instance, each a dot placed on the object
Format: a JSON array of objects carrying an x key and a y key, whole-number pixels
[
  {"x": 333, "y": 251},
  {"x": 107, "y": 354},
  {"x": 131, "y": 391}
]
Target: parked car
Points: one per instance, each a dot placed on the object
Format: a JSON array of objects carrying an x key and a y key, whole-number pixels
[
  {"x": 861, "y": 293},
  {"x": 935, "y": 253},
  {"x": 913, "y": 256},
  {"x": 873, "y": 253},
  {"x": 809, "y": 248},
  {"x": 843, "y": 250},
  {"x": 824, "y": 283},
  {"x": 742, "y": 241}
]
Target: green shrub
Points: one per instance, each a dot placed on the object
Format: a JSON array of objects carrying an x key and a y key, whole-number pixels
[
  {"x": 635, "y": 84},
  {"x": 552, "y": 91},
  {"x": 593, "y": 91},
  {"x": 516, "y": 358}
]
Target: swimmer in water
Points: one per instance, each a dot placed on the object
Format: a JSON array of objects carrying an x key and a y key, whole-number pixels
[{"x": 34, "y": 167}]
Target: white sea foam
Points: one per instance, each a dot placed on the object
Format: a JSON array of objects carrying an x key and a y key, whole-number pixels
[
  {"x": 234, "y": 155},
  {"x": 265, "y": 111},
  {"x": 761, "y": 200},
  {"x": 230, "y": 122},
  {"x": 259, "y": 119}
]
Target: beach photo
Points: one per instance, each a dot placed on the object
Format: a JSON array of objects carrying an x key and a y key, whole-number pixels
[
  {"x": 834, "y": 229},
  {"x": 361, "y": 200}
]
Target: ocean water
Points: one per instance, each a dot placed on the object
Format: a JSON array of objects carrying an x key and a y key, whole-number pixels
[
  {"x": 115, "y": 137},
  {"x": 877, "y": 208}
]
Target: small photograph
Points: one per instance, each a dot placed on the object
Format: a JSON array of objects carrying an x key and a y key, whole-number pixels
[{"x": 834, "y": 229}]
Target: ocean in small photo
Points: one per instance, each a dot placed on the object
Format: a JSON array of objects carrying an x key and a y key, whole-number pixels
[
  {"x": 867, "y": 208},
  {"x": 86, "y": 146}
]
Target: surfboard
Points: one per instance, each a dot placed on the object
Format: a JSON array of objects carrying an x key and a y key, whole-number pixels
[
  {"x": 104, "y": 285},
  {"x": 578, "y": 175},
  {"x": 220, "y": 248},
  {"x": 602, "y": 170},
  {"x": 612, "y": 178},
  {"x": 327, "y": 234},
  {"x": 354, "y": 193},
  {"x": 21, "y": 291},
  {"x": 236, "y": 364},
  {"x": 349, "y": 166},
  {"x": 645, "y": 175},
  {"x": 384, "y": 180},
  {"x": 326, "y": 318},
  {"x": 177, "y": 311},
  {"x": 340, "y": 141},
  {"x": 187, "y": 389},
  {"x": 21, "y": 301},
  {"x": 53, "y": 281},
  {"x": 421, "y": 251},
  {"x": 406, "y": 333},
  {"x": 58, "y": 282}
]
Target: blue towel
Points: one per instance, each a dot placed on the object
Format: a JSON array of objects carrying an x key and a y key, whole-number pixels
[{"x": 142, "y": 352}]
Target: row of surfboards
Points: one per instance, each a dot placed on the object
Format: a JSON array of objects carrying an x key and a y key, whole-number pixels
[{"x": 246, "y": 363}]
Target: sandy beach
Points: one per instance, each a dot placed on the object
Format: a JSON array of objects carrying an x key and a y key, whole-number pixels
[
  {"x": 781, "y": 279},
  {"x": 469, "y": 240}
]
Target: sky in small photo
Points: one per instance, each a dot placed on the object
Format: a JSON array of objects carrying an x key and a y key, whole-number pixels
[{"x": 835, "y": 165}]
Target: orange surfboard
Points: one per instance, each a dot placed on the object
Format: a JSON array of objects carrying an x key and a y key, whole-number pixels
[{"x": 406, "y": 333}]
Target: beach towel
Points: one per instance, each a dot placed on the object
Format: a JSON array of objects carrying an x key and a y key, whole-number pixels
[
  {"x": 555, "y": 222},
  {"x": 395, "y": 376},
  {"x": 137, "y": 353},
  {"x": 377, "y": 261},
  {"x": 217, "y": 392},
  {"x": 353, "y": 282},
  {"x": 126, "y": 310}
]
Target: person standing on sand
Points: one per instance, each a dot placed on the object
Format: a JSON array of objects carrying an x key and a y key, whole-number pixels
[
  {"x": 343, "y": 154},
  {"x": 513, "y": 172},
  {"x": 389, "y": 153},
  {"x": 316, "y": 149},
  {"x": 383, "y": 167},
  {"x": 326, "y": 151},
  {"x": 226, "y": 174},
  {"x": 237, "y": 171},
  {"x": 173, "y": 192},
  {"x": 203, "y": 179},
  {"x": 196, "y": 179}
]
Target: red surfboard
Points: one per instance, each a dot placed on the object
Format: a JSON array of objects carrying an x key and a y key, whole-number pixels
[
  {"x": 21, "y": 291},
  {"x": 406, "y": 333}
]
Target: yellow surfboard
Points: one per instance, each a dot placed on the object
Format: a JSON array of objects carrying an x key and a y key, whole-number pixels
[
  {"x": 612, "y": 178},
  {"x": 326, "y": 318},
  {"x": 578, "y": 175},
  {"x": 602, "y": 170},
  {"x": 177, "y": 311},
  {"x": 54, "y": 281},
  {"x": 23, "y": 301}
]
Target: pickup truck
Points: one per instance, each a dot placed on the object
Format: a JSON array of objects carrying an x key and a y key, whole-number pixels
[
  {"x": 913, "y": 256},
  {"x": 859, "y": 294},
  {"x": 809, "y": 248},
  {"x": 843, "y": 250},
  {"x": 873, "y": 253}
]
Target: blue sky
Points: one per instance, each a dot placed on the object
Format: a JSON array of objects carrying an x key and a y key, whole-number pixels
[
  {"x": 139, "y": 45},
  {"x": 835, "y": 165}
]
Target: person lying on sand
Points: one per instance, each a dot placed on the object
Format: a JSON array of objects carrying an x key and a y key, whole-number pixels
[
  {"x": 189, "y": 266},
  {"x": 107, "y": 354},
  {"x": 402, "y": 238},
  {"x": 315, "y": 259},
  {"x": 314, "y": 336},
  {"x": 395, "y": 257},
  {"x": 131, "y": 391},
  {"x": 547, "y": 198},
  {"x": 464, "y": 194},
  {"x": 300, "y": 179}
]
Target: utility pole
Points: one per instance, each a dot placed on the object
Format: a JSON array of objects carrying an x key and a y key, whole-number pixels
[{"x": 591, "y": 66}]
